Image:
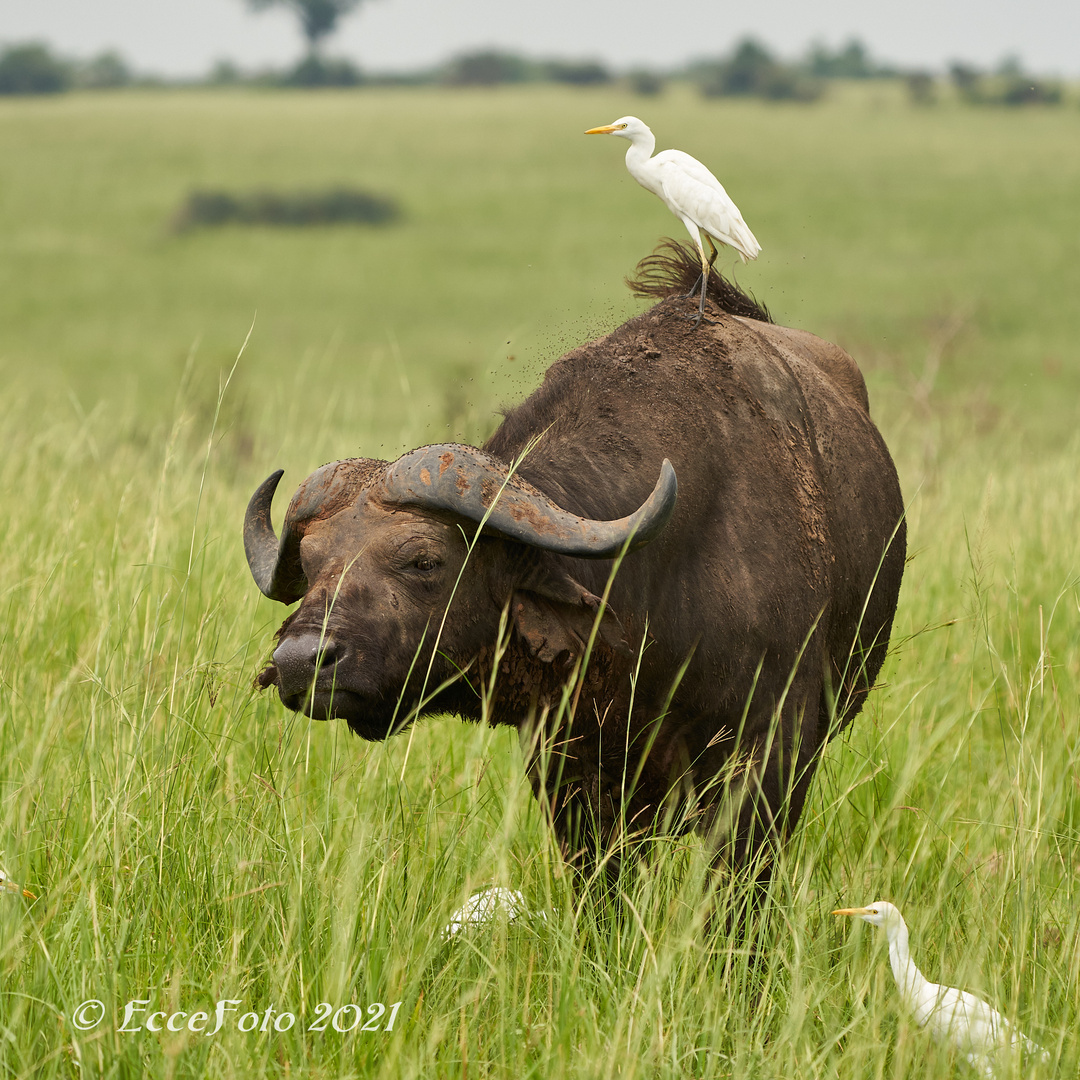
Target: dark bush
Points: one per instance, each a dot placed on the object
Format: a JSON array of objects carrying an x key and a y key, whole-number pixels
[
  {"x": 790, "y": 84},
  {"x": 333, "y": 207},
  {"x": 32, "y": 69},
  {"x": 207, "y": 208},
  {"x": 1010, "y": 86},
  {"x": 920, "y": 88},
  {"x": 1024, "y": 90}
]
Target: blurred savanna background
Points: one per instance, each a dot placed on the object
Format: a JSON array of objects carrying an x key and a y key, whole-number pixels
[{"x": 205, "y": 278}]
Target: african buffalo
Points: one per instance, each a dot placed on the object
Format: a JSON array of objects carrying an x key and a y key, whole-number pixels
[{"x": 670, "y": 661}]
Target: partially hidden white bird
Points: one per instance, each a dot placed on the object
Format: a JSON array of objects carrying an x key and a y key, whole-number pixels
[
  {"x": 689, "y": 191},
  {"x": 487, "y": 905},
  {"x": 953, "y": 1016}
]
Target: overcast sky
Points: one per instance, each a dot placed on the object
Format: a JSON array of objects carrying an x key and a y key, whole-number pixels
[{"x": 185, "y": 37}]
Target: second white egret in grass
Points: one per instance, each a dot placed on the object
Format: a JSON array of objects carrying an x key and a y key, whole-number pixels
[
  {"x": 953, "y": 1016},
  {"x": 487, "y": 905},
  {"x": 689, "y": 191}
]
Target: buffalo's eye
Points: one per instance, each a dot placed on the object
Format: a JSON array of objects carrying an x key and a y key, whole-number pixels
[{"x": 418, "y": 557}]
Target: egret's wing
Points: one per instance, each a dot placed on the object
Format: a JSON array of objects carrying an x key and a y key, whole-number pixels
[
  {"x": 973, "y": 1027},
  {"x": 967, "y": 1021},
  {"x": 691, "y": 191},
  {"x": 691, "y": 167}
]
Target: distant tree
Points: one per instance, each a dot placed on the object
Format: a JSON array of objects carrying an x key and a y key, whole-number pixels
[
  {"x": 315, "y": 70},
  {"x": 318, "y": 18},
  {"x": 577, "y": 73},
  {"x": 752, "y": 71},
  {"x": 225, "y": 73},
  {"x": 32, "y": 69},
  {"x": 1010, "y": 66},
  {"x": 750, "y": 67},
  {"x": 103, "y": 72},
  {"x": 967, "y": 80},
  {"x": 644, "y": 82},
  {"x": 850, "y": 62},
  {"x": 488, "y": 67}
]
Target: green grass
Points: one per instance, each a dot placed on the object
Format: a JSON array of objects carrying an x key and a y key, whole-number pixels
[{"x": 190, "y": 841}]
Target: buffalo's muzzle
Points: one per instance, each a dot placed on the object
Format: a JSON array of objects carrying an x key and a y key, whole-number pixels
[{"x": 300, "y": 661}]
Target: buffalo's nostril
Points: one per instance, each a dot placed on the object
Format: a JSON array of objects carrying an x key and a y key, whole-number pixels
[{"x": 300, "y": 659}]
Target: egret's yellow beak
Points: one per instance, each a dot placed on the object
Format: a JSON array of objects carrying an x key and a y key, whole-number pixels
[
  {"x": 607, "y": 129},
  {"x": 10, "y": 886},
  {"x": 851, "y": 911}
]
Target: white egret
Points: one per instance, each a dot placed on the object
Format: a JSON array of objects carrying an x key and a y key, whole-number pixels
[
  {"x": 689, "y": 191},
  {"x": 953, "y": 1016},
  {"x": 487, "y": 905}
]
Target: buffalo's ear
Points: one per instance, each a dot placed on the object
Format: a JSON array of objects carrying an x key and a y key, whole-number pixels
[{"x": 555, "y": 615}]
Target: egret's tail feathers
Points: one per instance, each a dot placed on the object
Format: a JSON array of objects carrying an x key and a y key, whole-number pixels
[{"x": 744, "y": 241}]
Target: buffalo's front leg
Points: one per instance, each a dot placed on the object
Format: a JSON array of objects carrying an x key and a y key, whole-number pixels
[
  {"x": 763, "y": 796},
  {"x": 584, "y": 809},
  {"x": 588, "y": 819}
]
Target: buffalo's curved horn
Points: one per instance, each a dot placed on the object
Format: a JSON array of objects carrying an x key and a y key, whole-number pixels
[
  {"x": 275, "y": 564},
  {"x": 470, "y": 483},
  {"x": 261, "y": 546}
]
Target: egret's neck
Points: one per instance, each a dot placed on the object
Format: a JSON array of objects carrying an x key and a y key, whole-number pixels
[
  {"x": 909, "y": 979},
  {"x": 641, "y": 147}
]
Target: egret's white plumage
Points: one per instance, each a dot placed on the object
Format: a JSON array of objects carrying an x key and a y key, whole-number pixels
[
  {"x": 953, "y": 1016},
  {"x": 688, "y": 190},
  {"x": 485, "y": 906}
]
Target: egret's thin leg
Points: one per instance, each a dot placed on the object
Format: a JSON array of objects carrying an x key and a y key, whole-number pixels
[
  {"x": 693, "y": 289},
  {"x": 706, "y": 266},
  {"x": 714, "y": 249},
  {"x": 695, "y": 235}
]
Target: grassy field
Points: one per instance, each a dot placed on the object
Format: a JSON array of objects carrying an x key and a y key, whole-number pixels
[{"x": 190, "y": 842}]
